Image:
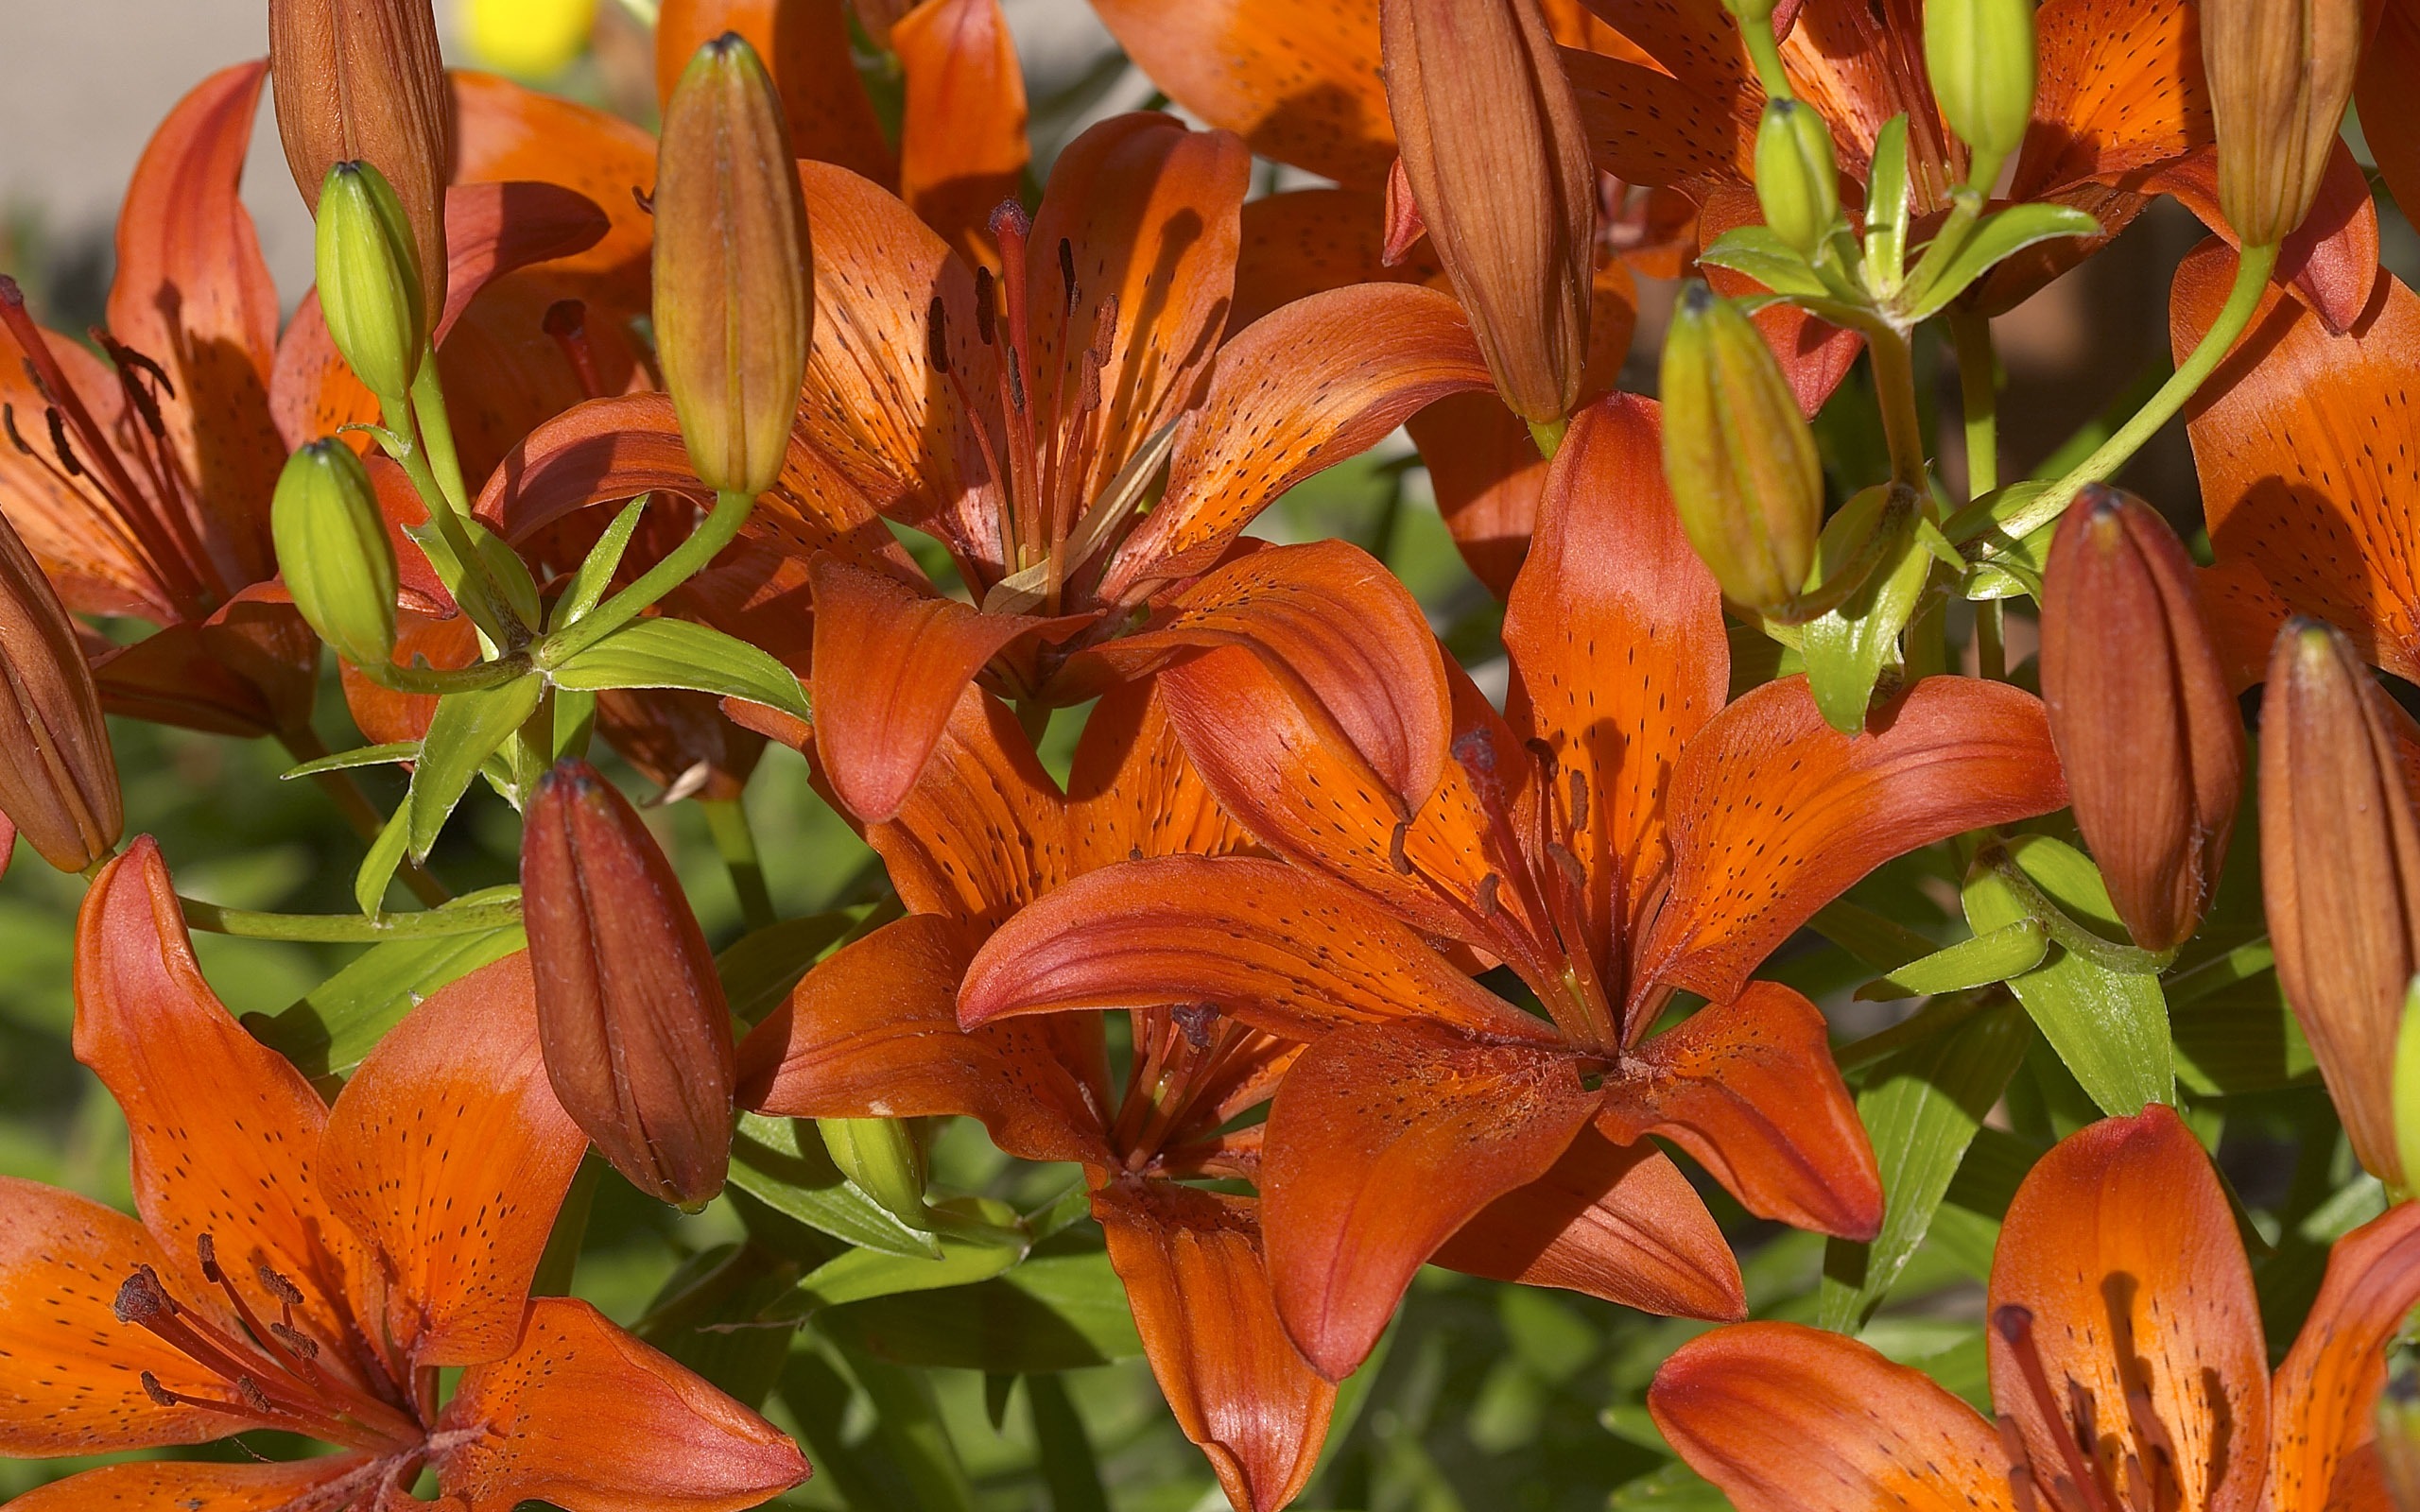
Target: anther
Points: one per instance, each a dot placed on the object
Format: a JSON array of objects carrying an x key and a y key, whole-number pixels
[
  {"x": 160, "y": 1395},
  {"x": 1565, "y": 862},
  {"x": 1105, "y": 329},
  {"x": 254, "y": 1397},
  {"x": 206, "y": 1249},
  {"x": 984, "y": 315},
  {"x": 646, "y": 201},
  {"x": 295, "y": 1340},
  {"x": 59, "y": 443},
  {"x": 34, "y": 374},
  {"x": 1488, "y": 886},
  {"x": 1579, "y": 803},
  {"x": 1016, "y": 381},
  {"x": 279, "y": 1287},
  {"x": 937, "y": 335},
  {"x": 1067, "y": 271},
  {"x": 143, "y": 1300},
  {"x": 1395, "y": 851},
  {"x": 9, "y": 423},
  {"x": 1194, "y": 1020}
]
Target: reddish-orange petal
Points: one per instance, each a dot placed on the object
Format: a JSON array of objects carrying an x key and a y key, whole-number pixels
[
  {"x": 159, "y": 1485},
  {"x": 2121, "y": 1248},
  {"x": 1133, "y": 791},
  {"x": 2330, "y": 261},
  {"x": 1192, "y": 1267},
  {"x": 2120, "y": 91},
  {"x": 1647, "y": 127},
  {"x": 1616, "y": 1221},
  {"x": 1302, "y": 241},
  {"x": 1772, "y": 813},
  {"x": 1815, "y": 356},
  {"x": 1787, "y": 1418},
  {"x": 1384, "y": 1140},
  {"x": 2325, "y": 1392},
  {"x": 872, "y": 1033},
  {"x": 170, "y": 678},
  {"x": 89, "y": 555},
  {"x": 983, "y": 832},
  {"x": 1749, "y": 1089},
  {"x": 806, "y": 46},
  {"x": 586, "y": 1416},
  {"x": 963, "y": 147},
  {"x": 504, "y": 133},
  {"x": 2304, "y": 445},
  {"x": 2383, "y": 95},
  {"x": 458, "y": 1212}
]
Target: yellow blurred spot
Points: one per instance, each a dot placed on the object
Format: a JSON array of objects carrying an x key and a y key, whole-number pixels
[{"x": 532, "y": 38}]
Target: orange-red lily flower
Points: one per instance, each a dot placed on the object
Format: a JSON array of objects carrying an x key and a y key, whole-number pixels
[
  {"x": 1619, "y": 834},
  {"x": 873, "y": 1032},
  {"x": 312, "y": 1268},
  {"x": 2127, "y": 1363}
]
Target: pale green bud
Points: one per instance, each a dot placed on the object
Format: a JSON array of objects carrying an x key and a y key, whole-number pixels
[
  {"x": 332, "y": 549},
  {"x": 1979, "y": 54},
  {"x": 1738, "y": 456},
  {"x": 369, "y": 282},
  {"x": 1798, "y": 182}
]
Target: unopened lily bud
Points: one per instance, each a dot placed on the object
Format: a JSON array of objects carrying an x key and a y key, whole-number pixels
[
  {"x": 369, "y": 282},
  {"x": 58, "y": 779},
  {"x": 1738, "y": 455},
  {"x": 2339, "y": 864},
  {"x": 2398, "y": 1435},
  {"x": 733, "y": 305},
  {"x": 632, "y": 1017},
  {"x": 1498, "y": 164},
  {"x": 1798, "y": 181},
  {"x": 2149, "y": 736},
  {"x": 1980, "y": 57},
  {"x": 2280, "y": 73},
  {"x": 362, "y": 81},
  {"x": 882, "y": 1157},
  {"x": 333, "y": 550}
]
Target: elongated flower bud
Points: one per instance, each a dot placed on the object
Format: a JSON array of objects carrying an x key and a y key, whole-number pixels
[
  {"x": 2140, "y": 712},
  {"x": 631, "y": 1015},
  {"x": 2280, "y": 72},
  {"x": 369, "y": 282},
  {"x": 1980, "y": 54},
  {"x": 2339, "y": 864},
  {"x": 1738, "y": 455},
  {"x": 1498, "y": 164},
  {"x": 333, "y": 550},
  {"x": 362, "y": 81},
  {"x": 733, "y": 305},
  {"x": 57, "y": 780},
  {"x": 882, "y": 1157},
  {"x": 1798, "y": 180}
]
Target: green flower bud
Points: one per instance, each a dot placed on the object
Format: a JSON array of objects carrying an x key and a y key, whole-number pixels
[
  {"x": 881, "y": 1156},
  {"x": 1798, "y": 182},
  {"x": 1738, "y": 455},
  {"x": 332, "y": 548},
  {"x": 369, "y": 284},
  {"x": 1979, "y": 54}
]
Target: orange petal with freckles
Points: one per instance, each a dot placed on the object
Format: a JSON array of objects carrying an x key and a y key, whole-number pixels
[
  {"x": 584, "y": 1415},
  {"x": 1318, "y": 381},
  {"x": 1133, "y": 791},
  {"x": 983, "y": 832},
  {"x": 872, "y": 1033},
  {"x": 2120, "y": 91},
  {"x": 164, "y": 1485},
  {"x": 88, "y": 555},
  {"x": 73, "y": 1384},
  {"x": 1647, "y": 127},
  {"x": 1191, "y": 1264},
  {"x": 1384, "y": 1140},
  {"x": 2330, "y": 261},
  {"x": 225, "y": 1133},
  {"x": 1749, "y": 1089},
  {"x": 1282, "y": 950},
  {"x": 504, "y": 133},
  {"x": 2325, "y": 1392},
  {"x": 1302, "y": 241},
  {"x": 1772, "y": 813},
  {"x": 1299, "y": 83},
  {"x": 460, "y": 1212},
  {"x": 1618, "y": 652},
  {"x": 1616, "y": 1221},
  {"x": 2305, "y": 450},
  {"x": 1783, "y": 1417},
  {"x": 891, "y": 661},
  {"x": 961, "y": 138},
  {"x": 2121, "y": 1246},
  {"x": 805, "y": 44}
]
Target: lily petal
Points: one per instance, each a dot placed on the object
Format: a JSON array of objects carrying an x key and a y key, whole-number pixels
[
  {"x": 1772, "y": 813},
  {"x": 872, "y": 1033},
  {"x": 2330, "y": 261},
  {"x": 962, "y": 146},
  {"x": 1300, "y": 242},
  {"x": 1616, "y": 1221},
  {"x": 1647, "y": 127},
  {"x": 1192, "y": 1267},
  {"x": 170, "y": 678},
  {"x": 504, "y": 134},
  {"x": 460, "y": 1215},
  {"x": 805, "y": 44},
  {"x": 1133, "y": 791},
  {"x": 94, "y": 561},
  {"x": 2321, "y": 1408},
  {"x": 1749, "y": 1089},
  {"x": 158, "y": 1485},
  {"x": 2382, "y": 94},
  {"x": 983, "y": 832},
  {"x": 2121, "y": 90},
  {"x": 1787, "y": 1418},
  {"x": 586, "y": 1416},
  {"x": 2123, "y": 1247},
  {"x": 1383, "y": 1141}
]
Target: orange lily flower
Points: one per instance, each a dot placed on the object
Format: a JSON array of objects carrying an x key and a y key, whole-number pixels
[
  {"x": 311, "y": 1268},
  {"x": 873, "y": 1032},
  {"x": 1617, "y": 835},
  {"x": 2127, "y": 1363}
]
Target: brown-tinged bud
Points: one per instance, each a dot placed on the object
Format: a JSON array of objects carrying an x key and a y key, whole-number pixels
[
  {"x": 2140, "y": 708},
  {"x": 734, "y": 303},
  {"x": 2340, "y": 871},
  {"x": 361, "y": 80},
  {"x": 2280, "y": 73},
  {"x": 631, "y": 1014},
  {"x": 1738, "y": 455},
  {"x": 1498, "y": 164},
  {"x": 57, "y": 780}
]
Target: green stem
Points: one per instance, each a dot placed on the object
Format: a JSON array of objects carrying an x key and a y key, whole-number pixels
[
  {"x": 304, "y": 745},
  {"x": 1548, "y": 437},
  {"x": 442, "y": 680},
  {"x": 1978, "y": 398},
  {"x": 682, "y": 563},
  {"x": 2064, "y": 931},
  {"x": 437, "y": 433},
  {"x": 727, "y": 820},
  {"x": 350, "y": 929},
  {"x": 470, "y": 585},
  {"x": 1766, "y": 53},
  {"x": 1991, "y": 646},
  {"x": 1894, "y": 390},
  {"x": 2251, "y": 277}
]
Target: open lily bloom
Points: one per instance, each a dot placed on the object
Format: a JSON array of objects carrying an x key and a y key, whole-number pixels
[
  {"x": 873, "y": 1032},
  {"x": 1619, "y": 834},
  {"x": 312, "y": 1268},
  {"x": 2127, "y": 1364}
]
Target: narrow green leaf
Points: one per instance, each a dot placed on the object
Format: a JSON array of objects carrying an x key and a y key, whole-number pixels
[
  {"x": 911, "y": 1436},
  {"x": 378, "y": 866},
  {"x": 595, "y": 571},
  {"x": 398, "y": 750},
  {"x": 1872, "y": 937},
  {"x": 973, "y": 1255},
  {"x": 1846, "y": 648},
  {"x": 1969, "y": 964},
  {"x": 1063, "y": 1308},
  {"x": 467, "y": 728},
  {"x": 668, "y": 653},
  {"x": 1070, "y": 1470},
  {"x": 1756, "y": 251},
  {"x": 1995, "y": 239},
  {"x": 786, "y": 1168}
]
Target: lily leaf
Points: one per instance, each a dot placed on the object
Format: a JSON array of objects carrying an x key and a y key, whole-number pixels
[
  {"x": 1845, "y": 649},
  {"x": 595, "y": 571},
  {"x": 467, "y": 728},
  {"x": 1968, "y": 964},
  {"x": 1063, "y": 1308},
  {"x": 399, "y": 750},
  {"x": 1756, "y": 252},
  {"x": 668, "y": 653},
  {"x": 1995, "y": 239},
  {"x": 1887, "y": 205}
]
